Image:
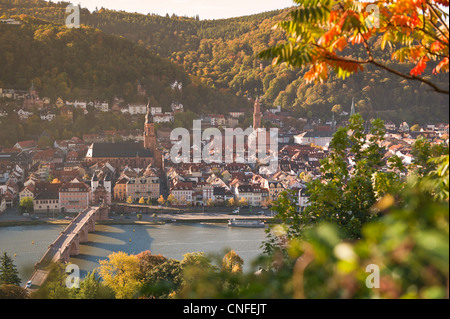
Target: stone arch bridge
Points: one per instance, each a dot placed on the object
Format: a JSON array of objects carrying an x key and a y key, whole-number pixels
[{"x": 68, "y": 242}]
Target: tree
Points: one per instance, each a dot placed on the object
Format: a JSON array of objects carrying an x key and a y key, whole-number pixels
[
  {"x": 232, "y": 202},
  {"x": 161, "y": 200},
  {"x": 410, "y": 238},
  {"x": 320, "y": 31},
  {"x": 243, "y": 202},
  {"x": 195, "y": 266},
  {"x": 164, "y": 280},
  {"x": 130, "y": 200},
  {"x": 422, "y": 151},
  {"x": 12, "y": 292},
  {"x": 142, "y": 201},
  {"x": 8, "y": 271},
  {"x": 147, "y": 261},
  {"x": 91, "y": 287},
  {"x": 26, "y": 205},
  {"x": 160, "y": 276},
  {"x": 120, "y": 272},
  {"x": 232, "y": 262},
  {"x": 346, "y": 191},
  {"x": 45, "y": 142},
  {"x": 337, "y": 109},
  {"x": 55, "y": 285},
  {"x": 171, "y": 199}
]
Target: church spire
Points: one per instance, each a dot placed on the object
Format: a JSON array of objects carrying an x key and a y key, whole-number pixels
[
  {"x": 353, "y": 111},
  {"x": 148, "y": 117}
]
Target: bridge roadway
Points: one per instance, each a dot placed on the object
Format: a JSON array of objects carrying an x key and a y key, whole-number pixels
[{"x": 68, "y": 243}]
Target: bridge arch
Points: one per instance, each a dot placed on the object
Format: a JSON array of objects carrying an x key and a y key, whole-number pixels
[
  {"x": 74, "y": 249},
  {"x": 84, "y": 234}
]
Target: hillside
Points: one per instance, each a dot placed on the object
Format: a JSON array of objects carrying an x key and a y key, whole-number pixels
[
  {"x": 221, "y": 54},
  {"x": 87, "y": 63}
]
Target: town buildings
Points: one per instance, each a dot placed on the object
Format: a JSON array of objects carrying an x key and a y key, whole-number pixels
[
  {"x": 76, "y": 173},
  {"x": 74, "y": 196}
]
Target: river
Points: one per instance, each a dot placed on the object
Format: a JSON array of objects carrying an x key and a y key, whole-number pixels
[{"x": 27, "y": 244}]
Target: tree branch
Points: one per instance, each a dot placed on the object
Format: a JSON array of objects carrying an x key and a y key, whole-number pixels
[
  {"x": 384, "y": 67},
  {"x": 433, "y": 10}
]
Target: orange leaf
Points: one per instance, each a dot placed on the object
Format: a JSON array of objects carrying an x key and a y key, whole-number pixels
[
  {"x": 406, "y": 21},
  {"x": 443, "y": 65},
  {"x": 340, "y": 43},
  {"x": 436, "y": 46},
  {"x": 442, "y": 2},
  {"x": 359, "y": 38},
  {"x": 328, "y": 36},
  {"x": 318, "y": 72},
  {"x": 420, "y": 67}
]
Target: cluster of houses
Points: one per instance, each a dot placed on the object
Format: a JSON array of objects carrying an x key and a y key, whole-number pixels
[
  {"x": 48, "y": 111},
  {"x": 231, "y": 185},
  {"x": 77, "y": 173}
]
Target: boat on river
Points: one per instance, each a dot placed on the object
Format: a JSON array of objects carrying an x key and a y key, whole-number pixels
[{"x": 246, "y": 223}]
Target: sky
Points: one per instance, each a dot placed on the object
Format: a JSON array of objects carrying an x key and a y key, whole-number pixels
[{"x": 207, "y": 9}]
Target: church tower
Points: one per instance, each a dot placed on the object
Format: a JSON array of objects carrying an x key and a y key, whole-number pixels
[
  {"x": 353, "y": 110},
  {"x": 150, "y": 139},
  {"x": 149, "y": 131},
  {"x": 257, "y": 115}
]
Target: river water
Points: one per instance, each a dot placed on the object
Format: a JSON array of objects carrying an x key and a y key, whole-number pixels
[{"x": 27, "y": 244}]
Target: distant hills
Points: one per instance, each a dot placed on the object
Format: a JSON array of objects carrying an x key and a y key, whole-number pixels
[{"x": 220, "y": 57}]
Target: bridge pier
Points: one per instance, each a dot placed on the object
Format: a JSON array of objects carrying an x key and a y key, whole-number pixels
[
  {"x": 84, "y": 234},
  {"x": 103, "y": 213},
  {"x": 75, "y": 246},
  {"x": 91, "y": 224},
  {"x": 68, "y": 242}
]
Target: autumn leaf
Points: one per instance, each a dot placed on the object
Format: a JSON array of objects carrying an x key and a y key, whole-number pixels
[
  {"x": 442, "y": 66},
  {"x": 317, "y": 73},
  {"x": 420, "y": 67}
]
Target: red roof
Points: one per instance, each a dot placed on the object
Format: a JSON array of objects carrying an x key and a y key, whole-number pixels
[{"x": 27, "y": 144}]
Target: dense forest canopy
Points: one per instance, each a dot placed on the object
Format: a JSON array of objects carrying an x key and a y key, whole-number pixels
[
  {"x": 222, "y": 54},
  {"x": 88, "y": 63}
]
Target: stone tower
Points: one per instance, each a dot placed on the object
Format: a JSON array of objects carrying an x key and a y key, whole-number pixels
[
  {"x": 150, "y": 139},
  {"x": 257, "y": 115},
  {"x": 149, "y": 131},
  {"x": 94, "y": 182}
]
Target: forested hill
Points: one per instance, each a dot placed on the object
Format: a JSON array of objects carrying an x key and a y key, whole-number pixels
[
  {"x": 221, "y": 54},
  {"x": 88, "y": 63}
]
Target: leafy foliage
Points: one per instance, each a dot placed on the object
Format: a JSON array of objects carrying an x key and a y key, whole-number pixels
[
  {"x": 223, "y": 54},
  {"x": 320, "y": 31},
  {"x": 8, "y": 271}
]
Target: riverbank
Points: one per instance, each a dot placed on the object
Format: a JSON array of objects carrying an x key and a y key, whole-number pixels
[
  {"x": 168, "y": 215},
  {"x": 67, "y": 222},
  {"x": 189, "y": 218},
  {"x": 15, "y": 223}
]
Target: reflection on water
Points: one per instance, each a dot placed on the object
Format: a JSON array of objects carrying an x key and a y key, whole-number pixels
[
  {"x": 26, "y": 245},
  {"x": 171, "y": 241}
]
